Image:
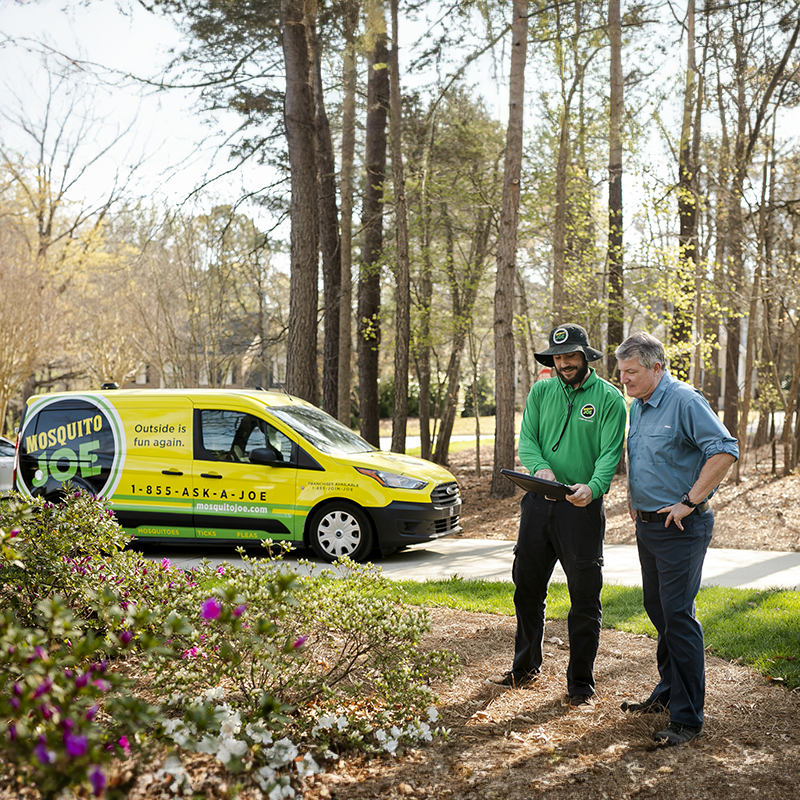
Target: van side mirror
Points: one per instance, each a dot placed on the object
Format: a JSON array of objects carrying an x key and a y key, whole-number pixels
[{"x": 264, "y": 455}]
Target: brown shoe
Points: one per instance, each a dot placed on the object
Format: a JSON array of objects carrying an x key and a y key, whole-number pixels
[
  {"x": 576, "y": 700},
  {"x": 513, "y": 680},
  {"x": 651, "y": 706}
]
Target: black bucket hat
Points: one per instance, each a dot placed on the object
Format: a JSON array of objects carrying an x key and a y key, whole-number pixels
[{"x": 569, "y": 338}]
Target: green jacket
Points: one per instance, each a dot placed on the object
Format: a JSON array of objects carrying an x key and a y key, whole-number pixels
[{"x": 591, "y": 446}]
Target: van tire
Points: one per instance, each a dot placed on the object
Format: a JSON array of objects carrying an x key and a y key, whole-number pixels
[{"x": 340, "y": 529}]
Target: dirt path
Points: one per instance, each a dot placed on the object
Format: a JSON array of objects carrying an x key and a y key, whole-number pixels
[{"x": 520, "y": 744}]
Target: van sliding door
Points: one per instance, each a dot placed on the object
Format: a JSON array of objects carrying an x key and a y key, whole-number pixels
[{"x": 236, "y": 497}]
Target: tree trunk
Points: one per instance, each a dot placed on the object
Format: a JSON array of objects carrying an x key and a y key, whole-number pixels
[
  {"x": 403, "y": 276},
  {"x": 369, "y": 285},
  {"x": 616, "y": 295},
  {"x": 506, "y": 259},
  {"x": 329, "y": 242},
  {"x": 747, "y": 135},
  {"x": 688, "y": 199},
  {"x": 463, "y": 299},
  {"x": 349, "y": 79},
  {"x": 424, "y": 336},
  {"x": 299, "y": 115},
  {"x": 560, "y": 223}
]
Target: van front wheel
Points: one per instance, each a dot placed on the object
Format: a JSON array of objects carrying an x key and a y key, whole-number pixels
[{"x": 341, "y": 530}]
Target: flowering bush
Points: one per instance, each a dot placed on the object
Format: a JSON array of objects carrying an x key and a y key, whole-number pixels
[
  {"x": 57, "y": 542},
  {"x": 271, "y": 674},
  {"x": 63, "y": 712}
]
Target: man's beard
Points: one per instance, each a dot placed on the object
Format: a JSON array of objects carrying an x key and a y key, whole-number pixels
[{"x": 576, "y": 378}]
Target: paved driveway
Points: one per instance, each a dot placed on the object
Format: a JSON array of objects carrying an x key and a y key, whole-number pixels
[{"x": 491, "y": 560}]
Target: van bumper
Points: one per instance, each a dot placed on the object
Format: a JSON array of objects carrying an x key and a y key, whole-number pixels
[{"x": 400, "y": 524}]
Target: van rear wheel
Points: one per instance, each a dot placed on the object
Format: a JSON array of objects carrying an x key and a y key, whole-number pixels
[{"x": 341, "y": 529}]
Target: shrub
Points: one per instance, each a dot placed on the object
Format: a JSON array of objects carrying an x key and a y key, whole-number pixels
[
  {"x": 254, "y": 664},
  {"x": 58, "y": 543}
]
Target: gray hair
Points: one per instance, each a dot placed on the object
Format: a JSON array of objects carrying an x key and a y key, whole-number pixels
[{"x": 643, "y": 346}]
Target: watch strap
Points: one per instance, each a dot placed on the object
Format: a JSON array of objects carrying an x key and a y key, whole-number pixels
[{"x": 686, "y": 501}]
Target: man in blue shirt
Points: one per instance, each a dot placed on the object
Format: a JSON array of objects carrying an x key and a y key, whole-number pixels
[{"x": 678, "y": 453}]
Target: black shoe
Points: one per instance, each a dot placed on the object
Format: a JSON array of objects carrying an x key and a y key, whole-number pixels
[
  {"x": 675, "y": 733},
  {"x": 651, "y": 706},
  {"x": 576, "y": 700},
  {"x": 514, "y": 680}
]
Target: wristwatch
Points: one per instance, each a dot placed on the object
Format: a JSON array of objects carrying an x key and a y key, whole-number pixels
[{"x": 686, "y": 501}]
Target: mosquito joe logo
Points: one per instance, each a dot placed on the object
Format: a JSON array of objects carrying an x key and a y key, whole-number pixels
[
  {"x": 560, "y": 336},
  {"x": 588, "y": 411},
  {"x": 77, "y": 440}
]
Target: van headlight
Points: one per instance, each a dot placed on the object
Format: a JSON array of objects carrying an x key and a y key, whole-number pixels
[{"x": 392, "y": 480}]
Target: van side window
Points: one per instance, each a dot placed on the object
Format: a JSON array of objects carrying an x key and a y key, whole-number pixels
[{"x": 233, "y": 435}]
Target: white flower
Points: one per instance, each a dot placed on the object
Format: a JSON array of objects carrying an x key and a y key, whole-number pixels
[
  {"x": 231, "y": 747},
  {"x": 307, "y": 766},
  {"x": 215, "y": 693},
  {"x": 341, "y": 723},
  {"x": 171, "y": 725},
  {"x": 324, "y": 723},
  {"x": 258, "y": 733},
  {"x": 232, "y": 724},
  {"x": 208, "y": 744},
  {"x": 424, "y": 731},
  {"x": 330, "y": 755},
  {"x": 280, "y": 791},
  {"x": 265, "y": 777},
  {"x": 174, "y": 699},
  {"x": 433, "y": 714},
  {"x": 174, "y": 768},
  {"x": 391, "y": 745},
  {"x": 395, "y": 731},
  {"x": 380, "y": 735},
  {"x": 281, "y": 753}
]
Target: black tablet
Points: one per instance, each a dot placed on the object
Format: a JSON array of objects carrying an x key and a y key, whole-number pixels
[{"x": 551, "y": 489}]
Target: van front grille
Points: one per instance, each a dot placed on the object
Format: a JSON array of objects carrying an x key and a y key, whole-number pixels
[
  {"x": 446, "y": 525},
  {"x": 446, "y": 494}
]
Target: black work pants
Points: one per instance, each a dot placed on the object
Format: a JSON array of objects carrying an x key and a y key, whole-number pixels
[{"x": 551, "y": 531}]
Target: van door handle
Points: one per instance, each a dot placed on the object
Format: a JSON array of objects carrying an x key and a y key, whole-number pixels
[
  {"x": 210, "y": 475},
  {"x": 171, "y": 472}
]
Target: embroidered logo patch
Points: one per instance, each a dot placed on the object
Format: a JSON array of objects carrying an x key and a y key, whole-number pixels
[
  {"x": 560, "y": 336},
  {"x": 588, "y": 411}
]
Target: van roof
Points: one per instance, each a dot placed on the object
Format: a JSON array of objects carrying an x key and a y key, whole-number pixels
[{"x": 197, "y": 395}]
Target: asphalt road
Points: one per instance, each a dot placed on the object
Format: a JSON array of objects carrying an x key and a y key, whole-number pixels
[{"x": 491, "y": 560}]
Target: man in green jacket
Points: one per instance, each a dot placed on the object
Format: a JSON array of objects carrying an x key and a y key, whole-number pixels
[{"x": 572, "y": 432}]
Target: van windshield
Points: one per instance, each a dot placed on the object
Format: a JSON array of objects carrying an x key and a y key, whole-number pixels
[{"x": 322, "y": 430}]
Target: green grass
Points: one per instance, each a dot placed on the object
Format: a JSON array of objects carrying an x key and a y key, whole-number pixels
[{"x": 758, "y": 628}]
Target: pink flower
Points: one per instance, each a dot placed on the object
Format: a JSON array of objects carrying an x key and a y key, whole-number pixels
[
  {"x": 220, "y": 570},
  {"x": 166, "y": 563},
  {"x": 239, "y": 610},
  {"x": 210, "y": 609},
  {"x": 124, "y": 745},
  {"x": 42, "y": 753},
  {"x": 91, "y": 713},
  {"x": 301, "y": 640},
  {"x": 125, "y": 638},
  {"x": 43, "y": 688},
  {"x": 75, "y": 745},
  {"x": 98, "y": 780}
]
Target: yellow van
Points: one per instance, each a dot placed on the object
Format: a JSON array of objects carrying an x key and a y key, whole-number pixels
[{"x": 233, "y": 466}]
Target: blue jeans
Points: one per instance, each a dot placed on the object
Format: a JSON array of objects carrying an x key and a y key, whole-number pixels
[
  {"x": 672, "y": 565},
  {"x": 550, "y": 532}
]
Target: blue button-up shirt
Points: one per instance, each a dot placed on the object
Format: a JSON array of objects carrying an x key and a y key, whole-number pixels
[{"x": 671, "y": 437}]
